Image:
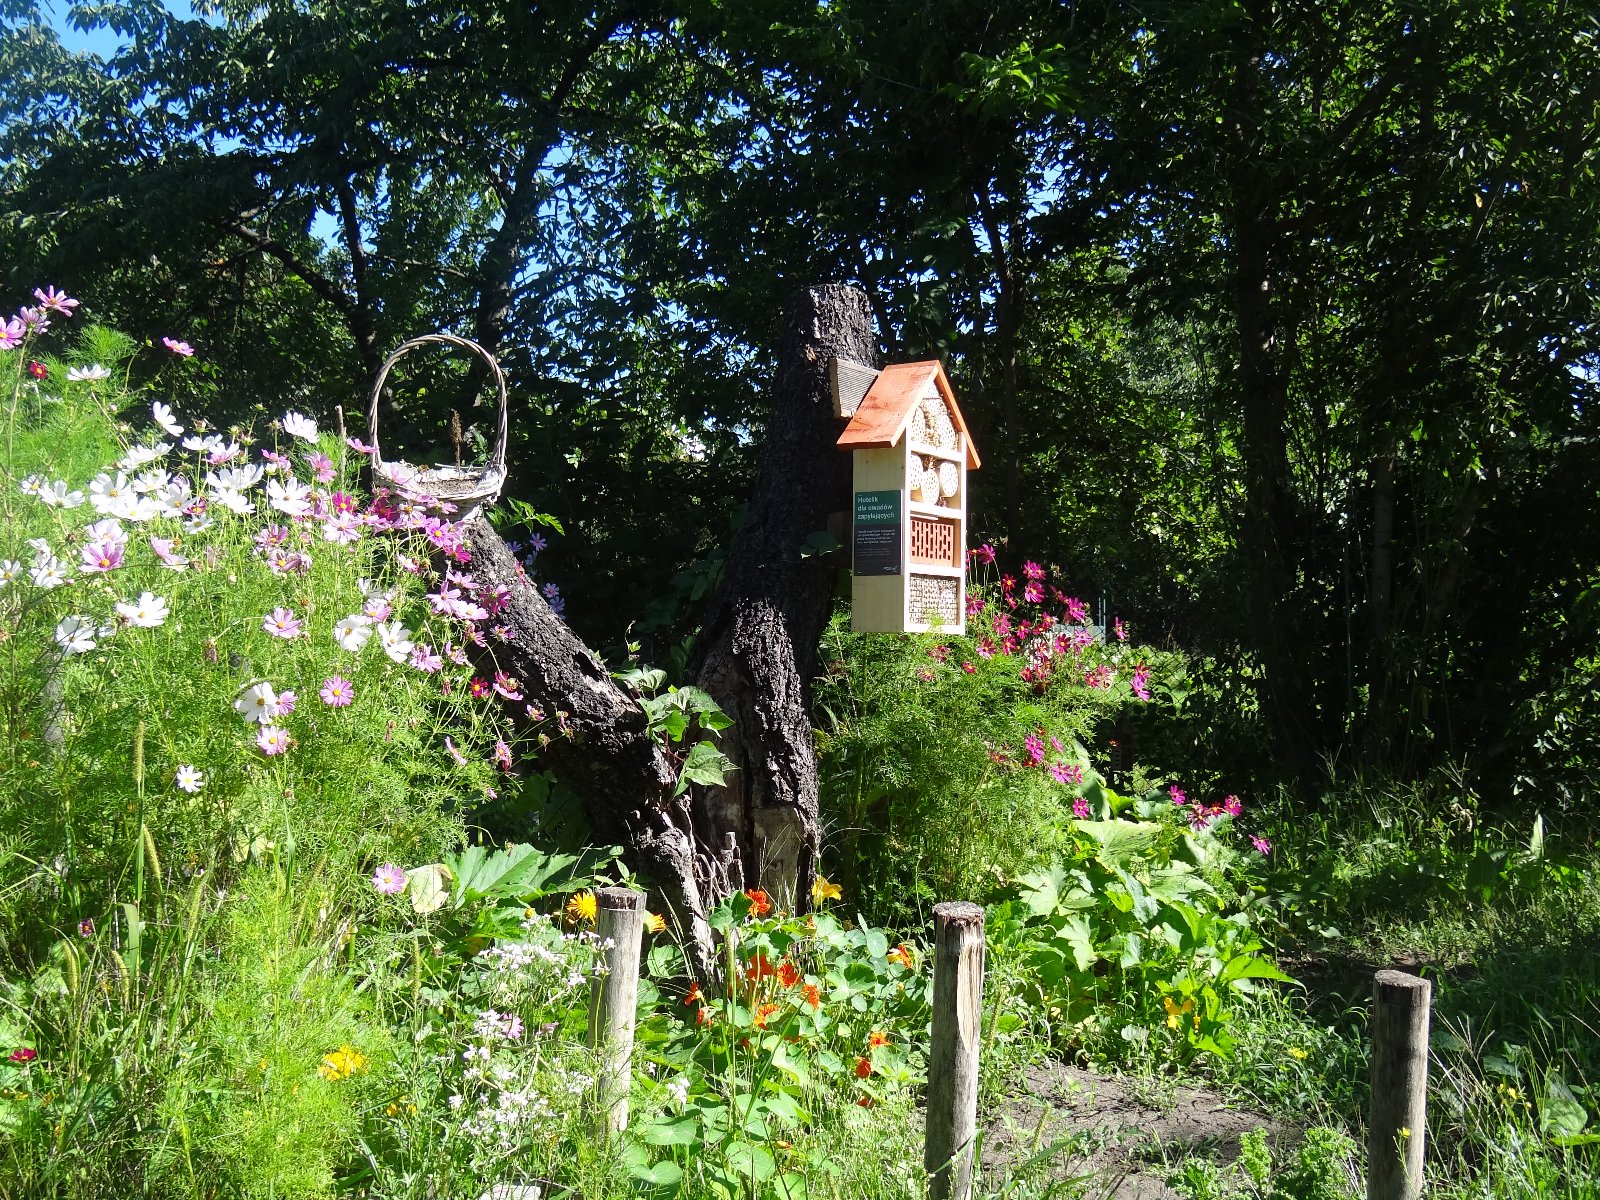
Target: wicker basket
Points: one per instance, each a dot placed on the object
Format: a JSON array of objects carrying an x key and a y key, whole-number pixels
[{"x": 468, "y": 488}]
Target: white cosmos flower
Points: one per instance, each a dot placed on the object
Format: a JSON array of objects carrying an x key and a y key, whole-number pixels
[
  {"x": 258, "y": 702},
  {"x": 41, "y": 548},
  {"x": 131, "y": 506},
  {"x": 10, "y": 570},
  {"x": 189, "y": 779},
  {"x": 57, "y": 496},
  {"x": 396, "y": 639},
  {"x": 75, "y": 635},
  {"x": 93, "y": 373},
  {"x": 153, "y": 480},
  {"x": 299, "y": 426},
  {"x": 163, "y": 416},
  {"x": 235, "y": 479},
  {"x": 174, "y": 496},
  {"x": 352, "y": 632},
  {"x": 107, "y": 530},
  {"x": 142, "y": 455},
  {"x": 289, "y": 496},
  {"x": 147, "y": 612},
  {"x": 49, "y": 573},
  {"x": 233, "y": 501},
  {"x": 104, "y": 490},
  {"x": 33, "y": 485},
  {"x": 204, "y": 443}
]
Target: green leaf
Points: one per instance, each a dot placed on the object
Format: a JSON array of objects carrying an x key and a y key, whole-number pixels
[
  {"x": 1560, "y": 1114},
  {"x": 683, "y": 1132},
  {"x": 705, "y": 765},
  {"x": 662, "y": 1174},
  {"x": 425, "y": 888}
]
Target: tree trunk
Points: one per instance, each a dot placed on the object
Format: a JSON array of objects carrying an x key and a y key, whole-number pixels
[
  {"x": 596, "y": 742},
  {"x": 756, "y": 653}
]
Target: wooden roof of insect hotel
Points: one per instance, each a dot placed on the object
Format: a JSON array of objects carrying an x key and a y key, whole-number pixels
[{"x": 887, "y": 408}]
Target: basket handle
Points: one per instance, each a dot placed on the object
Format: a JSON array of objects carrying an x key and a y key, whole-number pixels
[{"x": 497, "y": 455}]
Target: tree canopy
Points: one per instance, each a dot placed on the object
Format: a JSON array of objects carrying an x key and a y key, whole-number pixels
[{"x": 1275, "y": 324}]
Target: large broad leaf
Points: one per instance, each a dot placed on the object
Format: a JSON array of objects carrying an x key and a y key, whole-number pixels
[
  {"x": 1561, "y": 1114},
  {"x": 1250, "y": 966},
  {"x": 1041, "y": 890},
  {"x": 1075, "y": 932},
  {"x": 517, "y": 870},
  {"x": 1119, "y": 843}
]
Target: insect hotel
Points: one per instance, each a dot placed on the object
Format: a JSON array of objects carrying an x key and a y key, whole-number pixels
[{"x": 911, "y": 453}]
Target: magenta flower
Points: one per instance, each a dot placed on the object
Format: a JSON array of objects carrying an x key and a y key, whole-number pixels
[
  {"x": 1141, "y": 682},
  {"x": 479, "y": 687},
  {"x": 1080, "y": 809},
  {"x": 424, "y": 658},
  {"x": 1033, "y": 592},
  {"x": 461, "y": 759},
  {"x": 102, "y": 556},
  {"x": 507, "y": 686},
  {"x": 1034, "y": 745},
  {"x": 86, "y": 927},
  {"x": 1066, "y": 772},
  {"x": 182, "y": 349},
  {"x": 1199, "y": 816},
  {"x": 336, "y": 692},
  {"x": 11, "y": 334},
  {"x": 24, "y": 1054},
  {"x": 389, "y": 879},
  {"x": 502, "y": 755},
  {"x": 1261, "y": 844},
  {"x": 1178, "y": 798},
  {"x": 321, "y": 466},
  {"x": 1032, "y": 570},
  {"x": 1120, "y": 628},
  {"x": 342, "y": 502},
  {"x": 1231, "y": 806},
  {"x": 281, "y": 622},
  {"x": 983, "y": 554},
  {"x": 1077, "y": 611},
  {"x": 272, "y": 740}
]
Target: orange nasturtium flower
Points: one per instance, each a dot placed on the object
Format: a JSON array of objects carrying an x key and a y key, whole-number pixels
[
  {"x": 582, "y": 908},
  {"x": 763, "y": 1013},
  {"x": 760, "y": 967},
  {"x": 760, "y": 902},
  {"x": 703, "y": 1016},
  {"x": 655, "y": 922},
  {"x": 901, "y": 954},
  {"x": 694, "y": 996},
  {"x": 823, "y": 889},
  {"x": 788, "y": 973},
  {"x": 877, "y": 1038},
  {"x": 863, "y": 1067},
  {"x": 342, "y": 1063},
  {"x": 812, "y": 996}
]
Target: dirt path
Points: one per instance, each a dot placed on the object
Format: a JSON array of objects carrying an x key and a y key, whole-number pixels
[{"x": 1106, "y": 1137}]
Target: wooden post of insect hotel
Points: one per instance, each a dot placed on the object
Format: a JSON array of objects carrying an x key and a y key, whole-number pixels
[
  {"x": 1398, "y": 1124},
  {"x": 953, "y": 1055},
  {"x": 910, "y": 454},
  {"x": 614, "y": 999}
]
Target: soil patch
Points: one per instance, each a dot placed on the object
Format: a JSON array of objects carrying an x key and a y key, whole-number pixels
[{"x": 1104, "y": 1136}]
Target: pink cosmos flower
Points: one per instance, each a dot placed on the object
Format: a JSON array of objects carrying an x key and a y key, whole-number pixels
[
  {"x": 479, "y": 687},
  {"x": 1120, "y": 629},
  {"x": 286, "y": 702},
  {"x": 336, "y": 692},
  {"x": 102, "y": 556},
  {"x": 281, "y": 622},
  {"x": 321, "y": 466},
  {"x": 1178, "y": 798},
  {"x": 11, "y": 334},
  {"x": 1141, "y": 682},
  {"x": 1231, "y": 806},
  {"x": 983, "y": 554},
  {"x": 272, "y": 740},
  {"x": 461, "y": 759},
  {"x": 1080, "y": 809},
  {"x": 389, "y": 879},
  {"x": 53, "y": 301},
  {"x": 506, "y": 686},
  {"x": 1034, "y": 745},
  {"x": 342, "y": 503},
  {"x": 1033, "y": 592},
  {"x": 1261, "y": 844},
  {"x": 23, "y": 1054},
  {"x": 502, "y": 755},
  {"x": 182, "y": 349},
  {"x": 359, "y": 446},
  {"x": 1032, "y": 570},
  {"x": 423, "y": 658},
  {"x": 969, "y": 668},
  {"x": 1066, "y": 772},
  {"x": 1077, "y": 611}
]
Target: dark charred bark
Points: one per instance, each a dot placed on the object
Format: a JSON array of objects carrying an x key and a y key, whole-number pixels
[
  {"x": 596, "y": 742},
  {"x": 756, "y": 654}
]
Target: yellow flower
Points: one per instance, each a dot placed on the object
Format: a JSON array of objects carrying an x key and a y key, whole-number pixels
[
  {"x": 655, "y": 922},
  {"x": 582, "y": 908},
  {"x": 342, "y": 1063},
  {"x": 1296, "y": 1052},
  {"x": 822, "y": 890},
  {"x": 1174, "y": 1011}
]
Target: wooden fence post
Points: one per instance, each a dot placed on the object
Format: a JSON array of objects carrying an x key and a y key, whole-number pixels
[
  {"x": 1398, "y": 1123},
  {"x": 953, "y": 1056},
  {"x": 614, "y": 998}
]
